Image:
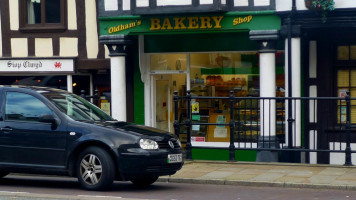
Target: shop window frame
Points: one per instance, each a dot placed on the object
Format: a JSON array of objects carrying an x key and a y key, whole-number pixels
[
  {"x": 43, "y": 26},
  {"x": 349, "y": 65}
]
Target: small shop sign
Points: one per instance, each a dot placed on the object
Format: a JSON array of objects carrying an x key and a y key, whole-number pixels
[{"x": 45, "y": 65}]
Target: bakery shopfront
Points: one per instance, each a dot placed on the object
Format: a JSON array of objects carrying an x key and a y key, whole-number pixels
[{"x": 207, "y": 54}]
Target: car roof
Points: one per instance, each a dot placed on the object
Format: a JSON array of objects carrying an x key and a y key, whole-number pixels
[{"x": 34, "y": 88}]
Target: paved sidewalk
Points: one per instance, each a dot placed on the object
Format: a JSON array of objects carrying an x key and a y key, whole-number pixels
[{"x": 266, "y": 174}]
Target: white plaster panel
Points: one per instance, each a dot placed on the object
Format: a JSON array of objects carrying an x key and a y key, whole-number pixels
[
  {"x": 43, "y": 47},
  {"x": 14, "y": 14},
  {"x": 312, "y": 59},
  {"x": 223, "y": 2},
  {"x": 262, "y": 2},
  {"x": 339, "y": 158},
  {"x": 142, "y": 3},
  {"x": 72, "y": 15},
  {"x": 68, "y": 47},
  {"x": 126, "y": 4},
  {"x": 111, "y": 5},
  {"x": 300, "y": 5},
  {"x": 345, "y": 4},
  {"x": 313, "y": 105},
  {"x": 107, "y": 52},
  {"x": 283, "y": 5},
  {"x": 240, "y": 2},
  {"x": 92, "y": 42},
  {"x": 313, "y": 145},
  {"x": 19, "y": 47},
  {"x": 173, "y": 2},
  {"x": 206, "y": 2}
]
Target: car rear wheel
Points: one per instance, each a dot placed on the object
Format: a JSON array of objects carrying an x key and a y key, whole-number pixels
[
  {"x": 95, "y": 169},
  {"x": 144, "y": 181}
]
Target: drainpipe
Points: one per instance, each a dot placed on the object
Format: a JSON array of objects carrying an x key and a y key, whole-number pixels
[{"x": 290, "y": 113}]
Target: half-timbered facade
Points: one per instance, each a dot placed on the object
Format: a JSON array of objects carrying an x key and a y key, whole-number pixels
[
  {"x": 53, "y": 43},
  {"x": 322, "y": 65}
]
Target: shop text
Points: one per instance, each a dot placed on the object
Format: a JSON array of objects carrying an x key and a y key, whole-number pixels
[
  {"x": 25, "y": 64},
  {"x": 123, "y": 27},
  {"x": 242, "y": 20},
  {"x": 178, "y": 23}
]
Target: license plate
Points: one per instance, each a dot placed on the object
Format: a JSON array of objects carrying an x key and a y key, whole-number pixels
[{"x": 174, "y": 158}]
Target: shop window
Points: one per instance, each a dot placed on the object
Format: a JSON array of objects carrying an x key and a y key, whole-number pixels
[
  {"x": 42, "y": 15},
  {"x": 216, "y": 74},
  {"x": 213, "y": 74},
  {"x": 346, "y": 82},
  {"x": 168, "y": 62},
  {"x": 346, "y": 52}
]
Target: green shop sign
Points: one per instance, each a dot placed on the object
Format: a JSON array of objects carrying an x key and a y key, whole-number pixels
[{"x": 188, "y": 23}]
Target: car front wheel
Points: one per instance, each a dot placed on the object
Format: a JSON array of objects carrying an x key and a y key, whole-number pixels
[{"x": 95, "y": 169}]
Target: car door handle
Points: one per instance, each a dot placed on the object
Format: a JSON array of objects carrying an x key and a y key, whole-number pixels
[{"x": 6, "y": 130}]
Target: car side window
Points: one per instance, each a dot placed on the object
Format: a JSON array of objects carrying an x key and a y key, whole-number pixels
[{"x": 24, "y": 107}]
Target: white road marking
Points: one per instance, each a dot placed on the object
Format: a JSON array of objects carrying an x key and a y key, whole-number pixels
[
  {"x": 91, "y": 196},
  {"x": 8, "y": 192}
]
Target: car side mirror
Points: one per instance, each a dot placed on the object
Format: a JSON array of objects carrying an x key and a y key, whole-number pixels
[{"x": 48, "y": 118}]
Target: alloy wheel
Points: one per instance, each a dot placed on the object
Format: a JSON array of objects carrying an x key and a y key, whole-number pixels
[{"x": 91, "y": 169}]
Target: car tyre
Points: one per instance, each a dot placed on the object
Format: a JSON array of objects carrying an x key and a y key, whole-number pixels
[
  {"x": 3, "y": 174},
  {"x": 144, "y": 181},
  {"x": 95, "y": 169}
]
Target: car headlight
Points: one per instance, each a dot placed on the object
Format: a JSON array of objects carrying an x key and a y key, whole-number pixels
[{"x": 148, "y": 144}]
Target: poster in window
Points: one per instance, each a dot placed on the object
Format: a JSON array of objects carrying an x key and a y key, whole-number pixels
[{"x": 343, "y": 92}]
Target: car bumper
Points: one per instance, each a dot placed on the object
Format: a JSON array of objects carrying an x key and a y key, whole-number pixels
[{"x": 133, "y": 164}]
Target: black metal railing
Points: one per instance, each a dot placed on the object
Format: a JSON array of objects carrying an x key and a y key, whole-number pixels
[{"x": 317, "y": 124}]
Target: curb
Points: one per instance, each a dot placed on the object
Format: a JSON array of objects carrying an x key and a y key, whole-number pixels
[
  {"x": 267, "y": 163},
  {"x": 255, "y": 183}
]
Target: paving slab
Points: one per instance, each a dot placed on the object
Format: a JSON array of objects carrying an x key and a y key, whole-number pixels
[{"x": 266, "y": 174}]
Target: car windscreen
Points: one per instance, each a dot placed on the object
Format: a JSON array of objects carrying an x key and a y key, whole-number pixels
[{"x": 76, "y": 107}]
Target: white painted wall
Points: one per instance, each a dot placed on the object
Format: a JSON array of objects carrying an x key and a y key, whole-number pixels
[
  {"x": 92, "y": 42},
  {"x": 14, "y": 15},
  {"x": 107, "y": 52},
  {"x": 313, "y": 105},
  {"x": 313, "y": 145},
  {"x": 19, "y": 47},
  {"x": 173, "y": 2},
  {"x": 43, "y": 47},
  {"x": 312, "y": 59},
  {"x": 126, "y": 4},
  {"x": 285, "y": 5},
  {"x": 261, "y": 2},
  {"x": 111, "y": 5},
  {"x": 240, "y": 2},
  {"x": 206, "y": 2},
  {"x": 339, "y": 158},
  {"x": 68, "y": 47},
  {"x": 72, "y": 14},
  {"x": 142, "y": 3}
]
